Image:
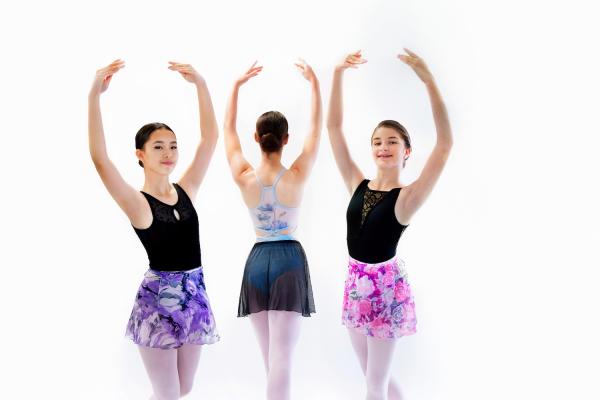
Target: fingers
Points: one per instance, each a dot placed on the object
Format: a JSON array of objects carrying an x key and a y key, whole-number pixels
[
  {"x": 410, "y": 53},
  {"x": 253, "y": 68},
  {"x": 353, "y": 60},
  {"x": 110, "y": 69}
]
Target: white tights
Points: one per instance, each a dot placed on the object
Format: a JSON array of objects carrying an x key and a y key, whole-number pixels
[
  {"x": 277, "y": 333},
  {"x": 171, "y": 372},
  {"x": 375, "y": 357}
]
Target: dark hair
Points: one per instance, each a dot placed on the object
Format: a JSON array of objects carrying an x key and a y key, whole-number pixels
[
  {"x": 272, "y": 129},
  {"x": 397, "y": 126},
  {"x": 142, "y": 136}
]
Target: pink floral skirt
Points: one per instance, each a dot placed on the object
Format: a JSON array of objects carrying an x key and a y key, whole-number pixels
[{"x": 377, "y": 299}]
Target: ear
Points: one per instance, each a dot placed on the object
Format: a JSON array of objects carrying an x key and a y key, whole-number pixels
[
  {"x": 139, "y": 154},
  {"x": 256, "y": 138},
  {"x": 407, "y": 153},
  {"x": 285, "y": 141}
]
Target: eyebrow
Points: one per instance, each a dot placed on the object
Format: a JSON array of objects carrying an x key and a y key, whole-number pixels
[
  {"x": 160, "y": 141},
  {"x": 389, "y": 137}
]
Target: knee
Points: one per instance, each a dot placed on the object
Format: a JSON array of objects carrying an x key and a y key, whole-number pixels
[
  {"x": 279, "y": 363},
  {"x": 185, "y": 388},
  {"x": 376, "y": 388},
  {"x": 167, "y": 394}
]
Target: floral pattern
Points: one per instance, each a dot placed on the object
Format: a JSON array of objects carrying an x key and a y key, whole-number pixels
[
  {"x": 378, "y": 300},
  {"x": 172, "y": 308}
]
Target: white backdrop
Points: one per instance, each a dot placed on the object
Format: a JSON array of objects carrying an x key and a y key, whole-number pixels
[{"x": 501, "y": 257}]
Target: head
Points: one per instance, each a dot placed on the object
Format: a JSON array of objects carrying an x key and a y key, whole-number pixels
[
  {"x": 390, "y": 144},
  {"x": 156, "y": 148},
  {"x": 271, "y": 132}
]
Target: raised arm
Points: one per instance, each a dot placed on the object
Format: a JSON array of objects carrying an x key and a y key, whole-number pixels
[
  {"x": 350, "y": 172},
  {"x": 303, "y": 164},
  {"x": 415, "y": 194},
  {"x": 238, "y": 164},
  {"x": 126, "y": 196},
  {"x": 209, "y": 131}
]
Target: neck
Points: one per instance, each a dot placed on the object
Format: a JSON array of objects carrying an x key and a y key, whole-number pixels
[
  {"x": 157, "y": 184},
  {"x": 386, "y": 179},
  {"x": 270, "y": 161}
]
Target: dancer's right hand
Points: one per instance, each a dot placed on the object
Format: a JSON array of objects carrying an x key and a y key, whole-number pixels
[
  {"x": 104, "y": 75},
  {"x": 352, "y": 60},
  {"x": 252, "y": 72}
]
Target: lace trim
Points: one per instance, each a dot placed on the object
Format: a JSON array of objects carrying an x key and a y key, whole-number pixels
[{"x": 370, "y": 200}]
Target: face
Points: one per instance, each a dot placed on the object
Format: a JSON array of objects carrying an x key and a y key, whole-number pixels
[
  {"x": 160, "y": 152},
  {"x": 388, "y": 149}
]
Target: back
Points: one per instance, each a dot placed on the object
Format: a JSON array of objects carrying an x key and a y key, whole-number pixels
[{"x": 273, "y": 220}]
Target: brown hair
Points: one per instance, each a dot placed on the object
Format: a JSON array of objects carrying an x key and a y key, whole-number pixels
[
  {"x": 272, "y": 129},
  {"x": 397, "y": 126}
]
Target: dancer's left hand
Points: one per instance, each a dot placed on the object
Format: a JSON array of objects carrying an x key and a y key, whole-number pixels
[
  {"x": 306, "y": 70},
  {"x": 187, "y": 71},
  {"x": 417, "y": 64}
]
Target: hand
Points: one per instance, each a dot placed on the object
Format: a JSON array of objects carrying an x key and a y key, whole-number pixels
[
  {"x": 187, "y": 71},
  {"x": 252, "y": 72},
  {"x": 306, "y": 70},
  {"x": 104, "y": 75},
  {"x": 352, "y": 60},
  {"x": 417, "y": 64}
]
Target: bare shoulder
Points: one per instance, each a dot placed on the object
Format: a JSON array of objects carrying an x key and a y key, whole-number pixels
[
  {"x": 402, "y": 207},
  {"x": 140, "y": 215}
]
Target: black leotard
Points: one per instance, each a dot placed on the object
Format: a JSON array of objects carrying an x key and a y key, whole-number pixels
[
  {"x": 373, "y": 230},
  {"x": 172, "y": 244}
]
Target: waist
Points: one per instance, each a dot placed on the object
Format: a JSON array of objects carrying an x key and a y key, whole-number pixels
[
  {"x": 354, "y": 263},
  {"x": 275, "y": 238},
  {"x": 161, "y": 273}
]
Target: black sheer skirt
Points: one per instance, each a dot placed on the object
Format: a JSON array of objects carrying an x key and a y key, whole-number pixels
[{"x": 276, "y": 277}]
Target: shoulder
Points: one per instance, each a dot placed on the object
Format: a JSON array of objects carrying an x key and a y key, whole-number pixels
[{"x": 361, "y": 186}]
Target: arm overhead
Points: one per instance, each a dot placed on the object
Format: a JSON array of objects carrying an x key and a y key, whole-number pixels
[
  {"x": 209, "y": 131},
  {"x": 126, "y": 196},
  {"x": 304, "y": 163},
  {"x": 415, "y": 194},
  {"x": 350, "y": 172},
  {"x": 238, "y": 164}
]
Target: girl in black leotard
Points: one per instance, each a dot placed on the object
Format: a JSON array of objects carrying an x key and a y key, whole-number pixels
[
  {"x": 171, "y": 316},
  {"x": 378, "y": 305}
]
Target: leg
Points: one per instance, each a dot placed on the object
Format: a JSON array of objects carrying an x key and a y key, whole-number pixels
[
  {"x": 161, "y": 366},
  {"x": 260, "y": 323},
  {"x": 359, "y": 343},
  {"x": 284, "y": 330},
  {"x": 380, "y": 353},
  {"x": 188, "y": 356}
]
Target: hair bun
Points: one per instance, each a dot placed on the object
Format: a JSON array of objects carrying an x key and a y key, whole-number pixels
[{"x": 269, "y": 142}]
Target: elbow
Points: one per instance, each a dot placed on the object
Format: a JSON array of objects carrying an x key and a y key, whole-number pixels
[
  {"x": 100, "y": 163},
  {"x": 331, "y": 126}
]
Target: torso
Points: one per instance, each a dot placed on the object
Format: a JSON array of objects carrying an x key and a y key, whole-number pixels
[
  {"x": 373, "y": 230},
  {"x": 288, "y": 191},
  {"x": 171, "y": 239}
]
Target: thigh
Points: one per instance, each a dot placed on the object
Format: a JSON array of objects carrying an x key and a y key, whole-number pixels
[
  {"x": 260, "y": 324},
  {"x": 188, "y": 357},
  {"x": 161, "y": 366},
  {"x": 359, "y": 344},
  {"x": 380, "y": 353},
  {"x": 284, "y": 330}
]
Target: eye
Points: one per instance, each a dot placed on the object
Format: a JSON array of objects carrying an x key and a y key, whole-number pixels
[
  {"x": 157, "y": 147},
  {"x": 173, "y": 147}
]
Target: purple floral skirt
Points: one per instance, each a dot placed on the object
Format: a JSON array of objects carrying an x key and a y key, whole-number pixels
[
  {"x": 378, "y": 300},
  {"x": 171, "y": 309}
]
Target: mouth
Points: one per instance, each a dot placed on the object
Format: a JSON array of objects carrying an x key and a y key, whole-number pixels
[
  {"x": 167, "y": 163},
  {"x": 385, "y": 156}
]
